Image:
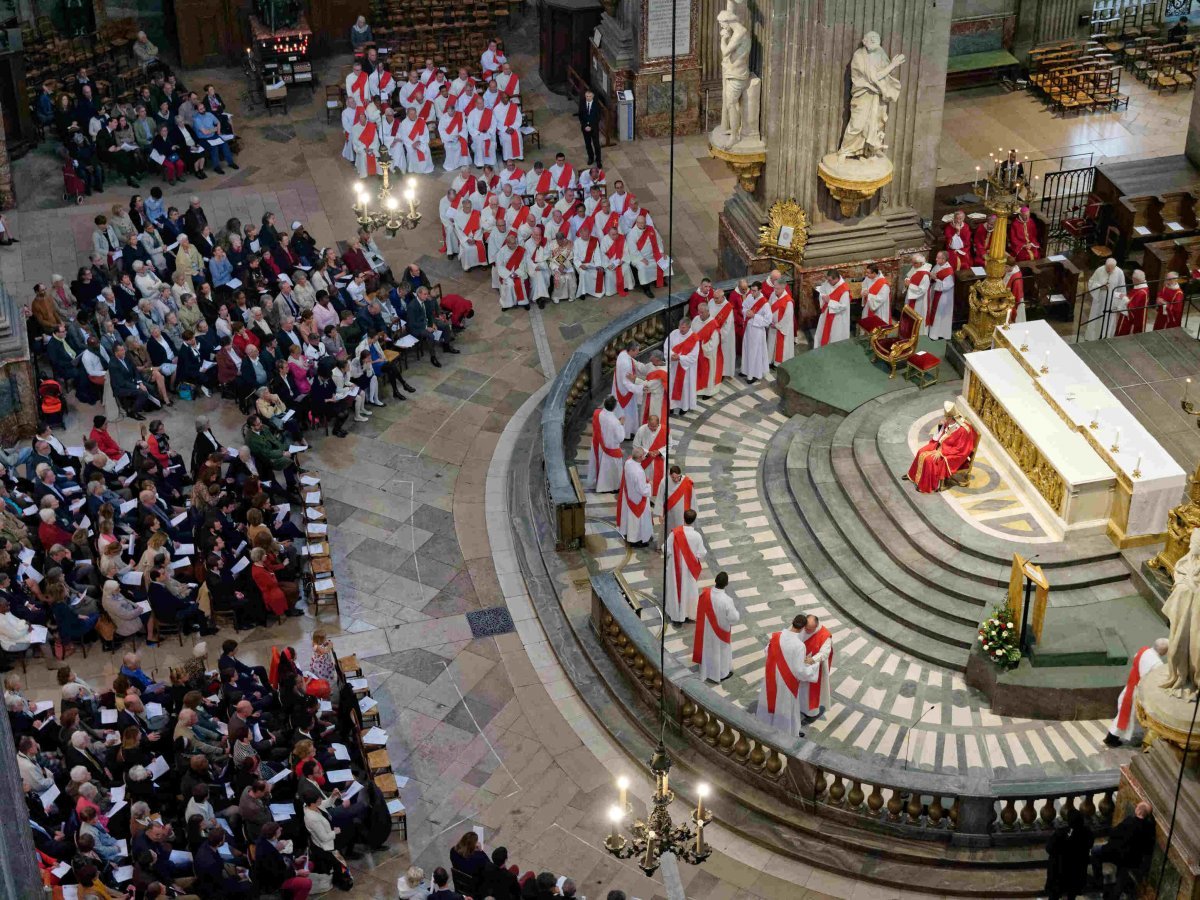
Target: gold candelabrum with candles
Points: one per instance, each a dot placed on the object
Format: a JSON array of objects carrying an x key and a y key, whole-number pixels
[
  {"x": 389, "y": 215},
  {"x": 990, "y": 301},
  {"x": 648, "y": 840}
]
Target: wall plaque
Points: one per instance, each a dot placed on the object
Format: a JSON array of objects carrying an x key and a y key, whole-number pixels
[{"x": 658, "y": 28}]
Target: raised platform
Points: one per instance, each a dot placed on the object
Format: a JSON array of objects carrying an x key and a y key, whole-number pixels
[{"x": 840, "y": 378}]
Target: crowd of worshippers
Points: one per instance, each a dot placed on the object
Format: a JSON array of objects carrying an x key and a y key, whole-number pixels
[
  {"x": 473, "y": 117},
  {"x": 234, "y": 781},
  {"x": 551, "y": 233},
  {"x": 162, "y": 129},
  {"x": 100, "y": 542},
  {"x": 302, "y": 335}
]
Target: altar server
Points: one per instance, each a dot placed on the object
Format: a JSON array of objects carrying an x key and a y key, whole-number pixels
[
  {"x": 1016, "y": 286},
  {"x": 675, "y": 497},
  {"x": 834, "y": 322},
  {"x": 472, "y": 249},
  {"x": 958, "y": 241},
  {"x": 414, "y": 132},
  {"x": 1105, "y": 285},
  {"x": 939, "y": 320},
  {"x": 716, "y": 614},
  {"x": 1131, "y": 307},
  {"x": 789, "y": 670},
  {"x": 756, "y": 311},
  {"x": 685, "y": 549},
  {"x": 876, "y": 294},
  {"x": 512, "y": 271},
  {"x": 634, "y": 521},
  {"x": 625, "y": 387},
  {"x": 508, "y": 128},
  {"x": 916, "y": 285},
  {"x": 481, "y": 123},
  {"x": 652, "y": 437},
  {"x": 1169, "y": 307},
  {"x": 1125, "y": 726},
  {"x": 604, "y": 463},
  {"x": 681, "y": 348}
]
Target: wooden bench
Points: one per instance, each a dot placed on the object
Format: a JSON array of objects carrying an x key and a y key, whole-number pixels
[
  {"x": 975, "y": 69},
  {"x": 1161, "y": 257}
]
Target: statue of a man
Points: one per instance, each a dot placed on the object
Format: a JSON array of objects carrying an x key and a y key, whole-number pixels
[
  {"x": 1182, "y": 609},
  {"x": 872, "y": 88},
  {"x": 735, "y": 73}
]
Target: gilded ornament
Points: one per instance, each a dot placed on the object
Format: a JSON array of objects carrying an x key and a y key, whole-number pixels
[
  {"x": 785, "y": 233},
  {"x": 1181, "y": 521}
]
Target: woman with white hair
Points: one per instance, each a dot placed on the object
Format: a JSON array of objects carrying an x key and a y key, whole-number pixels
[
  {"x": 127, "y": 617},
  {"x": 360, "y": 34},
  {"x": 411, "y": 885}
]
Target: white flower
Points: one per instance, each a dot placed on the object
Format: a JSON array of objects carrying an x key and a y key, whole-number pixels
[
  {"x": 985, "y": 646},
  {"x": 1010, "y": 624}
]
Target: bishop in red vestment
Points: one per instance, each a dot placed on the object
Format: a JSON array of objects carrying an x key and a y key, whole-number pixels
[{"x": 944, "y": 455}]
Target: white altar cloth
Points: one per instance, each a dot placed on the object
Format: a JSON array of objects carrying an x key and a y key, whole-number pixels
[{"x": 1082, "y": 398}]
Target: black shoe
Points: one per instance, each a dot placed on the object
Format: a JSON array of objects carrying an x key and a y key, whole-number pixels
[
  {"x": 649, "y": 293},
  {"x": 541, "y": 304},
  {"x": 340, "y": 432},
  {"x": 408, "y": 387},
  {"x": 396, "y": 395},
  {"x": 201, "y": 176},
  {"x": 464, "y": 327},
  {"x": 219, "y": 171},
  {"x": 1112, "y": 740},
  {"x": 293, "y": 613},
  {"x": 234, "y": 165},
  {"x": 353, "y": 854},
  {"x": 137, "y": 417},
  {"x": 455, "y": 349},
  {"x": 435, "y": 362}
]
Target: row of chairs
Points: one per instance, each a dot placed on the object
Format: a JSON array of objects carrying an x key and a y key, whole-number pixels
[
  {"x": 107, "y": 55},
  {"x": 1167, "y": 67}
]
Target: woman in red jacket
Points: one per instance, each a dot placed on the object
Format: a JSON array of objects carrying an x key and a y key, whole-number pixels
[
  {"x": 268, "y": 585},
  {"x": 49, "y": 532}
]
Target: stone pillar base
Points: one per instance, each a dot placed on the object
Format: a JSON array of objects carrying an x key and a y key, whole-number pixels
[{"x": 1152, "y": 776}]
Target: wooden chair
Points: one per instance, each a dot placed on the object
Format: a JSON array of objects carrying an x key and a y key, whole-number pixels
[
  {"x": 1166, "y": 79},
  {"x": 963, "y": 475},
  {"x": 333, "y": 102},
  {"x": 896, "y": 343},
  {"x": 1112, "y": 237}
]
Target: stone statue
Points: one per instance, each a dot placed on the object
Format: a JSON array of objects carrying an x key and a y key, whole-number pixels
[
  {"x": 741, "y": 90},
  {"x": 872, "y": 88},
  {"x": 1182, "y": 609}
]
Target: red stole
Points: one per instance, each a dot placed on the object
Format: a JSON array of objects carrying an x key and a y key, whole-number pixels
[
  {"x": 656, "y": 375},
  {"x": 543, "y": 183},
  {"x": 840, "y": 290},
  {"x": 705, "y": 333},
  {"x": 682, "y": 348},
  {"x": 456, "y": 127},
  {"x": 367, "y": 138},
  {"x": 915, "y": 279},
  {"x": 637, "y": 508},
  {"x": 622, "y": 398},
  {"x": 425, "y": 76},
  {"x": 565, "y": 176},
  {"x": 463, "y": 191},
  {"x": 779, "y": 307},
  {"x": 706, "y": 615},
  {"x": 654, "y": 458},
  {"x": 941, "y": 273},
  {"x": 719, "y": 321},
  {"x": 682, "y": 552},
  {"x": 417, "y": 130},
  {"x": 485, "y": 128},
  {"x": 587, "y": 259},
  {"x": 511, "y": 87},
  {"x": 520, "y": 218},
  {"x": 519, "y": 288},
  {"x": 812, "y": 644},
  {"x": 360, "y": 86},
  {"x": 473, "y": 228},
  {"x": 683, "y": 491},
  {"x": 777, "y": 663},
  {"x": 411, "y": 93},
  {"x": 1131, "y": 683},
  {"x": 874, "y": 290},
  {"x": 616, "y": 251},
  {"x": 598, "y": 440},
  {"x": 511, "y": 116},
  {"x": 649, "y": 234}
]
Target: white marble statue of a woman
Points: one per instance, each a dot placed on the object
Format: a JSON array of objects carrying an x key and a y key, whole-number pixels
[
  {"x": 1182, "y": 609},
  {"x": 872, "y": 88}
]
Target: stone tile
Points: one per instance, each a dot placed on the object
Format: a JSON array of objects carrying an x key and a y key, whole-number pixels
[
  {"x": 461, "y": 714},
  {"x": 418, "y": 664}
]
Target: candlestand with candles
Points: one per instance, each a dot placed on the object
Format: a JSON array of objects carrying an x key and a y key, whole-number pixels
[
  {"x": 658, "y": 834},
  {"x": 389, "y": 215},
  {"x": 990, "y": 301}
]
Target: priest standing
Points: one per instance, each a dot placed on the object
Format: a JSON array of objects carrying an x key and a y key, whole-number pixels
[
  {"x": 789, "y": 669},
  {"x": 756, "y": 310},
  {"x": 716, "y": 614},
  {"x": 940, "y": 318},
  {"x": 634, "y": 521},
  {"x": 781, "y": 340},
  {"x": 625, "y": 387},
  {"x": 1106, "y": 283},
  {"x": 684, "y": 550},
  {"x": 818, "y": 645},
  {"x": 834, "y": 322},
  {"x": 674, "y": 500},
  {"x": 652, "y": 438},
  {"x": 876, "y": 294},
  {"x": 1131, "y": 308},
  {"x": 1124, "y": 726},
  {"x": 604, "y": 463},
  {"x": 916, "y": 285},
  {"x": 682, "y": 348}
]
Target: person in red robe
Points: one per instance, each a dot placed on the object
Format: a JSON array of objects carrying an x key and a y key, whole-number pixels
[
  {"x": 958, "y": 241},
  {"x": 1170, "y": 304},
  {"x": 983, "y": 237},
  {"x": 945, "y": 454},
  {"x": 702, "y": 294},
  {"x": 1023, "y": 237},
  {"x": 1132, "y": 319}
]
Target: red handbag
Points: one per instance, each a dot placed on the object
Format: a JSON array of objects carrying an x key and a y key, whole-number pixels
[{"x": 317, "y": 687}]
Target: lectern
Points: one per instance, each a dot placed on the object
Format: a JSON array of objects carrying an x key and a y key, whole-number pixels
[{"x": 1028, "y": 590}]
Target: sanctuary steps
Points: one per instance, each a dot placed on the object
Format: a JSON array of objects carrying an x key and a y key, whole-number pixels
[{"x": 901, "y": 565}]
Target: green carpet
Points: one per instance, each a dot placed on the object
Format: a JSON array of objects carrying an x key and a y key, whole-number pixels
[{"x": 842, "y": 376}]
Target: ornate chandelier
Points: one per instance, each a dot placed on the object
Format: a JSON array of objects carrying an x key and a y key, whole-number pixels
[
  {"x": 658, "y": 834},
  {"x": 388, "y": 216}
]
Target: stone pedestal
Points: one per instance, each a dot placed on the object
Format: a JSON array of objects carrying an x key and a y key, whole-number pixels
[
  {"x": 807, "y": 49},
  {"x": 1152, "y": 776}
]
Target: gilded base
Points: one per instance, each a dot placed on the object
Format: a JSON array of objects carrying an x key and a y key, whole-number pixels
[
  {"x": 1163, "y": 715},
  {"x": 990, "y": 303},
  {"x": 747, "y": 163},
  {"x": 845, "y": 183}
]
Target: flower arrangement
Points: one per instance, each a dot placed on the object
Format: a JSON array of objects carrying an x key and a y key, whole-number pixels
[{"x": 998, "y": 638}]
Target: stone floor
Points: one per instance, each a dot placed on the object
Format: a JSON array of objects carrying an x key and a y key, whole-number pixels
[{"x": 488, "y": 729}]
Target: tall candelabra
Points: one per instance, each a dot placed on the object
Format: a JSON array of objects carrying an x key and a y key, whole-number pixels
[
  {"x": 658, "y": 834},
  {"x": 388, "y": 216}
]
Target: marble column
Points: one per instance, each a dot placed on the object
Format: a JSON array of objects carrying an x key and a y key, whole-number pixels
[
  {"x": 1192, "y": 147},
  {"x": 807, "y": 49},
  {"x": 19, "y": 877},
  {"x": 1039, "y": 21}
]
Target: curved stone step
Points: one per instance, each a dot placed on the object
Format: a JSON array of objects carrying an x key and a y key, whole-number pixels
[{"x": 811, "y": 535}]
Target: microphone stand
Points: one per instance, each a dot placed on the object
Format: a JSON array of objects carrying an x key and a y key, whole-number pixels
[{"x": 908, "y": 732}]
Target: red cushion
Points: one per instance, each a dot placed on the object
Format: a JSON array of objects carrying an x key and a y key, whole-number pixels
[
  {"x": 885, "y": 344},
  {"x": 871, "y": 322},
  {"x": 924, "y": 361}
]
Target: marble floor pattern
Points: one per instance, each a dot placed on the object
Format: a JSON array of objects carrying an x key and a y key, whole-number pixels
[{"x": 875, "y": 689}]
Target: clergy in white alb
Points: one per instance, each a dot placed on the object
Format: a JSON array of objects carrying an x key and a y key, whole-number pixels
[
  {"x": 650, "y": 263},
  {"x": 654, "y": 387},
  {"x": 916, "y": 285},
  {"x": 756, "y": 312},
  {"x": 414, "y": 133},
  {"x": 537, "y": 264},
  {"x": 591, "y": 264},
  {"x": 512, "y": 270},
  {"x": 818, "y": 643},
  {"x": 562, "y": 174},
  {"x": 507, "y": 81},
  {"x": 634, "y": 521},
  {"x": 358, "y": 85},
  {"x": 833, "y": 324},
  {"x": 709, "y": 360},
  {"x": 481, "y": 124},
  {"x": 685, "y": 549},
  {"x": 349, "y": 115},
  {"x": 1106, "y": 283},
  {"x": 876, "y": 295},
  {"x": 939, "y": 319},
  {"x": 389, "y": 136},
  {"x": 446, "y": 213},
  {"x": 618, "y": 277},
  {"x": 453, "y": 129},
  {"x": 712, "y": 647},
  {"x": 781, "y": 337},
  {"x": 682, "y": 350},
  {"x": 380, "y": 84},
  {"x": 625, "y": 387},
  {"x": 674, "y": 497},
  {"x": 366, "y": 144},
  {"x": 1125, "y": 726},
  {"x": 508, "y": 128},
  {"x": 652, "y": 437},
  {"x": 472, "y": 248},
  {"x": 564, "y": 279},
  {"x": 604, "y": 461},
  {"x": 788, "y": 672},
  {"x": 721, "y": 308}
]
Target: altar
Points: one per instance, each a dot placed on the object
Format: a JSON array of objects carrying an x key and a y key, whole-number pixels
[{"x": 1084, "y": 460}]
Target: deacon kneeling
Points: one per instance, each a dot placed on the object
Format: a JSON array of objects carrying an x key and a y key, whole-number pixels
[
  {"x": 1124, "y": 726},
  {"x": 945, "y": 454},
  {"x": 716, "y": 614}
]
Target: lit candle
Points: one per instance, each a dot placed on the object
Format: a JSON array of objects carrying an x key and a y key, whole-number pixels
[
  {"x": 615, "y": 815},
  {"x": 408, "y": 195},
  {"x": 1187, "y": 386},
  {"x": 699, "y": 836},
  {"x": 701, "y": 793},
  {"x": 622, "y": 792}
]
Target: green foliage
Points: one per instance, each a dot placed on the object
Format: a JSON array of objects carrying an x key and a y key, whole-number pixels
[{"x": 998, "y": 638}]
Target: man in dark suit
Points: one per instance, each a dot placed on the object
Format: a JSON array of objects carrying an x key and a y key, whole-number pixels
[
  {"x": 589, "y": 123},
  {"x": 127, "y": 385}
]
